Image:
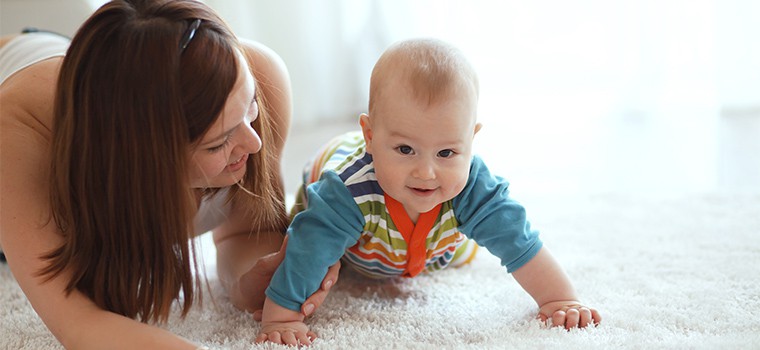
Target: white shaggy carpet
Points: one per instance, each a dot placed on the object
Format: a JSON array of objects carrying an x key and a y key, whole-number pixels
[{"x": 678, "y": 272}]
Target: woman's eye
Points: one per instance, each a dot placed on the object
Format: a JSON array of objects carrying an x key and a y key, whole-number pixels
[
  {"x": 405, "y": 149},
  {"x": 445, "y": 153},
  {"x": 220, "y": 147}
]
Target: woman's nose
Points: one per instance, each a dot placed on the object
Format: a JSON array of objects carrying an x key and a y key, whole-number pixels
[{"x": 252, "y": 140}]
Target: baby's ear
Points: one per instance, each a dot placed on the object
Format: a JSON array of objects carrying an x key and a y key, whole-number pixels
[
  {"x": 366, "y": 131},
  {"x": 477, "y": 128}
]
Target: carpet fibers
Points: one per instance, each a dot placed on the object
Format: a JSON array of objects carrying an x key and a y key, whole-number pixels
[{"x": 679, "y": 272}]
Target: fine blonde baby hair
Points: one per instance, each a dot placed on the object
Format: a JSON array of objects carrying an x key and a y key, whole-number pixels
[{"x": 432, "y": 68}]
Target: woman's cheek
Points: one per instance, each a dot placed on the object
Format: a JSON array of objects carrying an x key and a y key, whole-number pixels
[
  {"x": 209, "y": 167},
  {"x": 217, "y": 166}
]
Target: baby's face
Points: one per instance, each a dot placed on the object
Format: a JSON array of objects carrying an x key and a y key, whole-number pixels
[{"x": 421, "y": 153}]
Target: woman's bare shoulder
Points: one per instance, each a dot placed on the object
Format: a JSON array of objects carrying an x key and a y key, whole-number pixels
[
  {"x": 273, "y": 78},
  {"x": 28, "y": 95},
  {"x": 25, "y": 121},
  {"x": 25, "y": 133},
  {"x": 264, "y": 59}
]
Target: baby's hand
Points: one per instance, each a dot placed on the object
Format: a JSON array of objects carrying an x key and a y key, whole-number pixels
[
  {"x": 568, "y": 314},
  {"x": 288, "y": 333},
  {"x": 283, "y": 326}
]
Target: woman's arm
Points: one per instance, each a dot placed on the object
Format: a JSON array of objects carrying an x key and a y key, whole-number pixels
[
  {"x": 246, "y": 261},
  {"x": 26, "y": 231}
]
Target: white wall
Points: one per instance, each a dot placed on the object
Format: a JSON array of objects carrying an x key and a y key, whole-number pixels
[
  {"x": 63, "y": 16},
  {"x": 327, "y": 79},
  {"x": 646, "y": 94}
]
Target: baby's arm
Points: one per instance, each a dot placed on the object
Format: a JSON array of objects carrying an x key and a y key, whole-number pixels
[
  {"x": 283, "y": 326},
  {"x": 547, "y": 283},
  {"x": 317, "y": 238}
]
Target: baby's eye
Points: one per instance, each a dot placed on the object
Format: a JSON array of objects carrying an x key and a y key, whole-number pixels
[
  {"x": 405, "y": 149},
  {"x": 445, "y": 153}
]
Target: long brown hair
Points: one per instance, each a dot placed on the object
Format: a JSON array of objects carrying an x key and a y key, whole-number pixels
[{"x": 130, "y": 104}]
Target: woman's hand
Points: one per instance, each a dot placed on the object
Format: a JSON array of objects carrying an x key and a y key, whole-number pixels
[
  {"x": 254, "y": 282},
  {"x": 568, "y": 314}
]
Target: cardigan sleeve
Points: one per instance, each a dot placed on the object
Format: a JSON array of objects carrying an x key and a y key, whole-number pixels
[
  {"x": 318, "y": 237},
  {"x": 488, "y": 215}
]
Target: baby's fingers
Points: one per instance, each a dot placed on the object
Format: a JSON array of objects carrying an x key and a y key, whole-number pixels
[
  {"x": 289, "y": 338},
  {"x": 596, "y": 316},
  {"x": 261, "y": 338},
  {"x": 275, "y": 337},
  {"x": 558, "y": 318},
  {"x": 305, "y": 339},
  {"x": 311, "y": 335},
  {"x": 586, "y": 318},
  {"x": 572, "y": 318},
  {"x": 294, "y": 338}
]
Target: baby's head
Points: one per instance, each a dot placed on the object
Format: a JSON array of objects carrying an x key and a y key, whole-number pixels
[
  {"x": 429, "y": 69},
  {"x": 421, "y": 122}
]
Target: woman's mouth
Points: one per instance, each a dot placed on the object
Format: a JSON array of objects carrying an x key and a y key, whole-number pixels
[{"x": 238, "y": 164}]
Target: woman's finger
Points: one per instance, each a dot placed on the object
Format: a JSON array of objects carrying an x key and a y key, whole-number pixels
[
  {"x": 270, "y": 262},
  {"x": 315, "y": 300},
  {"x": 332, "y": 276}
]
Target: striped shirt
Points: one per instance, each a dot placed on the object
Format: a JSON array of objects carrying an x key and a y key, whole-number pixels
[{"x": 342, "y": 212}]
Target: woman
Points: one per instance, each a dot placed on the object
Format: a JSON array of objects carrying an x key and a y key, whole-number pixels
[{"x": 156, "y": 126}]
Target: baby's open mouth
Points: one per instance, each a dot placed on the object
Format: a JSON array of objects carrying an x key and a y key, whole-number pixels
[{"x": 422, "y": 190}]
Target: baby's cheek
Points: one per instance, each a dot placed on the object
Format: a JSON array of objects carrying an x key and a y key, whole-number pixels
[{"x": 460, "y": 182}]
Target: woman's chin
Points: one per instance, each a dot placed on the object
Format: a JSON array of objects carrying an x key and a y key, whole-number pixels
[
  {"x": 225, "y": 179},
  {"x": 232, "y": 178}
]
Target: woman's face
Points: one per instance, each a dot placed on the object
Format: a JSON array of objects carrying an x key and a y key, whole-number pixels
[{"x": 219, "y": 160}]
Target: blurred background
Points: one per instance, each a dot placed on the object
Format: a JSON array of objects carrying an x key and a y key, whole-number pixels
[{"x": 585, "y": 96}]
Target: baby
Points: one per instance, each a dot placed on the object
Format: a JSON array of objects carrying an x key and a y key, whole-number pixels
[{"x": 407, "y": 195}]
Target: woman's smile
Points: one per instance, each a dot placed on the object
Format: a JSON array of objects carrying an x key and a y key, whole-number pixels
[{"x": 238, "y": 164}]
